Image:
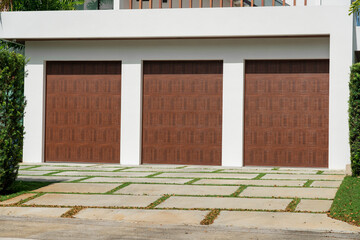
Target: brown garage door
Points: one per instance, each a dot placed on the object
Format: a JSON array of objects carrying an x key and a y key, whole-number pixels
[
  {"x": 182, "y": 112},
  {"x": 83, "y": 112},
  {"x": 286, "y": 113}
]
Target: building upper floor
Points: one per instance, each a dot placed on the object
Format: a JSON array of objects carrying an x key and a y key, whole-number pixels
[{"x": 122, "y": 19}]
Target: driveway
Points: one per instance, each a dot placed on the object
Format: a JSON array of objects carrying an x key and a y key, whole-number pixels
[{"x": 278, "y": 198}]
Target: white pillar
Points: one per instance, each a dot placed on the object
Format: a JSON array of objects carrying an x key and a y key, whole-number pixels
[
  {"x": 130, "y": 142},
  {"x": 233, "y": 101},
  {"x": 116, "y": 4}
]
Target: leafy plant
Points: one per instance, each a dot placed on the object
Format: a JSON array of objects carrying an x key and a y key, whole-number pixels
[
  {"x": 38, "y": 5},
  {"x": 12, "y": 105},
  {"x": 355, "y": 7},
  {"x": 354, "y": 118}
]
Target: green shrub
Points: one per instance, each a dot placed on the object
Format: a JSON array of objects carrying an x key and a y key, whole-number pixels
[
  {"x": 12, "y": 104},
  {"x": 354, "y": 118}
]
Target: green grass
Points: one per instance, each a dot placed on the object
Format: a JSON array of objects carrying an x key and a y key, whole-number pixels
[
  {"x": 346, "y": 206},
  {"x": 292, "y": 205},
  {"x": 21, "y": 187}
]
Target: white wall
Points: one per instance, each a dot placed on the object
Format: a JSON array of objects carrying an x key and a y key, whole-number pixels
[{"x": 232, "y": 51}]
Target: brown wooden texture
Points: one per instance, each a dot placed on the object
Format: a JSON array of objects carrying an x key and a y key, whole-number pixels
[
  {"x": 286, "y": 113},
  {"x": 182, "y": 112},
  {"x": 83, "y": 112}
]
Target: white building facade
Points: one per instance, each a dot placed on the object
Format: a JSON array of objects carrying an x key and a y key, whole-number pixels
[{"x": 280, "y": 77}]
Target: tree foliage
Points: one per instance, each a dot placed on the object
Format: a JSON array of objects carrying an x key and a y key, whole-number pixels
[
  {"x": 12, "y": 106},
  {"x": 38, "y": 5},
  {"x": 355, "y": 7}
]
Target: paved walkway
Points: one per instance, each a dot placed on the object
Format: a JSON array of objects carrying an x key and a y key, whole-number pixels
[{"x": 279, "y": 198}]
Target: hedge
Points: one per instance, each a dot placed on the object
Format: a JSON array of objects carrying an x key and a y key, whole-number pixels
[
  {"x": 12, "y": 105},
  {"x": 354, "y": 118}
]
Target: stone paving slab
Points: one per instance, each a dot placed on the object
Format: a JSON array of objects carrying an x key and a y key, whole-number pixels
[
  {"x": 17, "y": 199},
  {"x": 288, "y": 192},
  {"x": 222, "y": 203},
  {"x": 166, "y": 217},
  {"x": 34, "y": 173},
  {"x": 334, "y": 184},
  {"x": 303, "y": 176},
  {"x": 252, "y": 182},
  {"x": 47, "y": 178},
  {"x": 306, "y": 205},
  {"x": 78, "y": 187},
  {"x": 159, "y": 189},
  {"x": 33, "y": 212},
  {"x": 137, "y": 180},
  {"x": 284, "y": 221},
  {"x": 267, "y": 171},
  {"x": 93, "y": 200},
  {"x": 167, "y": 170},
  {"x": 208, "y": 175},
  {"x": 105, "y": 174},
  {"x": 79, "y": 168}
]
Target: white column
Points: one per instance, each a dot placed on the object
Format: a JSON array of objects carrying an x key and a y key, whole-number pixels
[
  {"x": 131, "y": 85},
  {"x": 232, "y": 131},
  {"x": 116, "y": 4},
  {"x": 34, "y": 113}
]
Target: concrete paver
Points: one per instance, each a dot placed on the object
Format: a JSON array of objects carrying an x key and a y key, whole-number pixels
[
  {"x": 78, "y": 187},
  {"x": 17, "y": 199},
  {"x": 252, "y": 182},
  {"x": 334, "y": 184},
  {"x": 47, "y": 178},
  {"x": 78, "y": 168},
  {"x": 285, "y": 221},
  {"x": 229, "y": 203},
  {"x": 303, "y": 176},
  {"x": 288, "y": 192},
  {"x": 307, "y": 205},
  {"x": 141, "y": 169},
  {"x": 137, "y": 180},
  {"x": 32, "y": 211},
  {"x": 208, "y": 175},
  {"x": 93, "y": 200},
  {"x": 165, "y": 217},
  {"x": 105, "y": 174},
  {"x": 160, "y": 189},
  {"x": 34, "y": 173}
]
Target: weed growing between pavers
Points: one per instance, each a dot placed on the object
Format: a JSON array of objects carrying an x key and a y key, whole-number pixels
[
  {"x": 118, "y": 188},
  {"x": 319, "y": 172},
  {"x": 346, "y": 206},
  {"x": 292, "y": 205},
  {"x": 258, "y": 177},
  {"x": 22, "y": 187},
  {"x": 308, "y": 183},
  {"x": 192, "y": 181},
  {"x": 210, "y": 218},
  {"x": 240, "y": 190},
  {"x": 157, "y": 202},
  {"x": 72, "y": 212},
  {"x": 154, "y": 174}
]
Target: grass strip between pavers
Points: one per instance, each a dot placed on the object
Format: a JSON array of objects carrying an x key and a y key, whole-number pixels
[
  {"x": 192, "y": 181},
  {"x": 72, "y": 212},
  {"x": 118, "y": 188},
  {"x": 319, "y": 172},
  {"x": 308, "y": 183},
  {"x": 346, "y": 205},
  {"x": 52, "y": 173},
  {"x": 292, "y": 205},
  {"x": 258, "y": 177},
  {"x": 210, "y": 218},
  {"x": 154, "y": 174},
  {"x": 237, "y": 192},
  {"x": 157, "y": 202},
  {"x": 79, "y": 180}
]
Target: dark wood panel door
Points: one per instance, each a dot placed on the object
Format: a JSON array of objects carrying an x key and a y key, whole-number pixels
[
  {"x": 286, "y": 113},
  {"x": 182, "y": 112},
  {"x": 83, "y": 102}
]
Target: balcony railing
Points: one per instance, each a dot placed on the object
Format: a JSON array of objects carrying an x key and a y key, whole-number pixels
[{"x": 148, "y": 4}]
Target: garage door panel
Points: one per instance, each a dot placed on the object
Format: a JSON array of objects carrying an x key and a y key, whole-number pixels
[
  {"x": 286, "y": 113},
  {"x": 83, "y": 101},
  {"x": 182, "y": 112}
]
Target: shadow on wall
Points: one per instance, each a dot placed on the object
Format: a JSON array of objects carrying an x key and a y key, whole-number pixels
[{"x": 96, "y": 5}]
